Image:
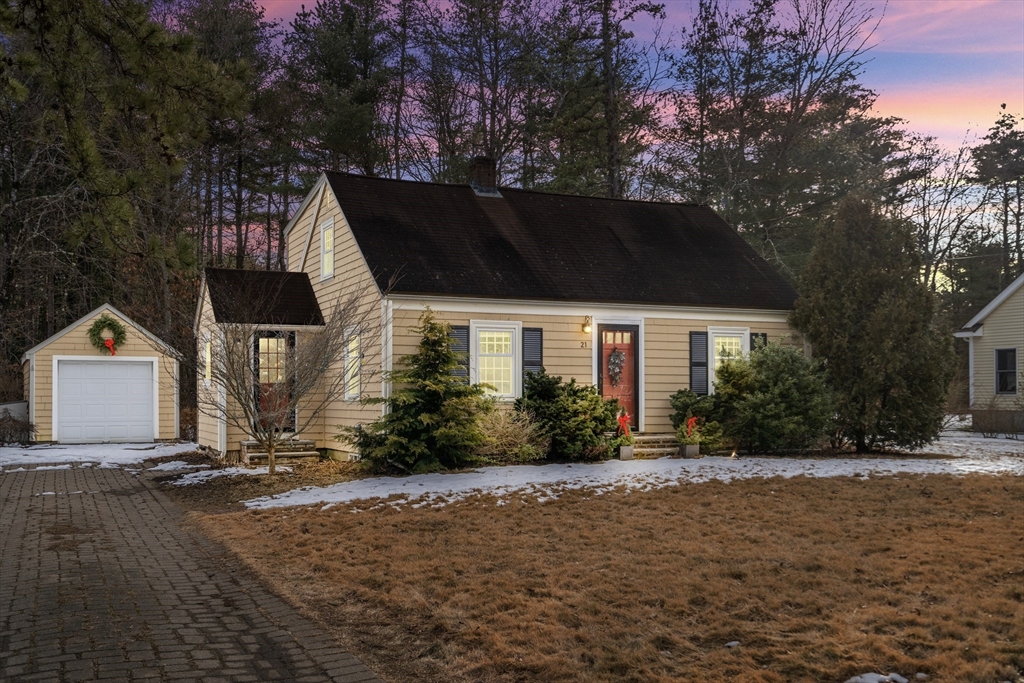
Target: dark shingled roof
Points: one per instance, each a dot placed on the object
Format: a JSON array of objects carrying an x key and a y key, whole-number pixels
[
  {"x": 262, "y": 297},
  {"x": 437, "y": 239}
]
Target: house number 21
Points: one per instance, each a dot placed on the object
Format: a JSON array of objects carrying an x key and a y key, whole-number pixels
[{"x": 584, "y": 344}]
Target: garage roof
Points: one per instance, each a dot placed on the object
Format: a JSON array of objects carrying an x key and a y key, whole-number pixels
[{"x": 161, "y": 344}]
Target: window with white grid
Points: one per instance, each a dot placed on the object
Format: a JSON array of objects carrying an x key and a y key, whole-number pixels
[
  {"x": 725, "y": 343},
  {"x": 353, "y": 361},
  {"x": 496, "y": 358}
]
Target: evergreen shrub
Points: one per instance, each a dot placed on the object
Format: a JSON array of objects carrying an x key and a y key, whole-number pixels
[
  {"x": 573, "y": 416},
  {"x": 432, "y": 422},
  {"x": 773, "y": 400}
]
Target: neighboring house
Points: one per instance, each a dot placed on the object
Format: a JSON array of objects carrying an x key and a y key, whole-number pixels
[
  {"x": 638, "y": 298},
  {"x": 996, "y": 346},
  {"x": 80, "y": 393}
]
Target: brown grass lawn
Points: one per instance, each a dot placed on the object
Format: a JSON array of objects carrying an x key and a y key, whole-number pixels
[{"x": 818, "y": 580}]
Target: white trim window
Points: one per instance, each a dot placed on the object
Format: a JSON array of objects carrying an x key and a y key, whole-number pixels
[
  {"x": 353, "y": 367},
  {"x": 1006, "y": 372},
  {"x": 496, "y": 358},
  {"x": 207, "y": 361},
  {"x": 327, "y": 249},
  {"x": 725, "y": 343}
]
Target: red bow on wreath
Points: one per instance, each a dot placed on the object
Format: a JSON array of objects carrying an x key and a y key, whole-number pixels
[
  {"x": 109, "y": 343},
  {"x": 624, "y": 424}
]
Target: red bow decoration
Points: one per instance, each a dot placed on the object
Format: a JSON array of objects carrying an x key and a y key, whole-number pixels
[
  {"x": 109, "y": 343},
  {"x": 690, "y": 424},
  {"x": 624, "y": 424}
]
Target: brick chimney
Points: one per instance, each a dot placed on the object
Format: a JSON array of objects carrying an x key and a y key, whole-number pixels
[{"x": 483, "y": 176}]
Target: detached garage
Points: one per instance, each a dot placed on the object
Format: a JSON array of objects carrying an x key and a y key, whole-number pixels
[{"x": 102, "y": 379}]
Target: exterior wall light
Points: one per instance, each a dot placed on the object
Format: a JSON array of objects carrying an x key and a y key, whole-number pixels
[{"x": 587, "y": 327}]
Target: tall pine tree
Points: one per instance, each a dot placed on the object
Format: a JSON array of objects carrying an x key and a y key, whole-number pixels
[{"x": 870, "y": 319}]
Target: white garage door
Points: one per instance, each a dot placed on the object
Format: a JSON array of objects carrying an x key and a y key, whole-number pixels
[{"x": 101, "y": 401}]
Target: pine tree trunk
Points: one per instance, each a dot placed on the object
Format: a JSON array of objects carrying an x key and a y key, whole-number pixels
[
  {"x": 611, "y": 115},
  {"x": 220, "y": 213}
]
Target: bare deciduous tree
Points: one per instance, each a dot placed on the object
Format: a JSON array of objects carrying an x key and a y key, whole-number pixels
[{"x": 312, "y": 367}]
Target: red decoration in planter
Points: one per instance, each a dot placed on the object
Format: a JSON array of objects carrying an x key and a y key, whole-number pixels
[
  {"x": 690, "y": 424},
  {"x": 624, "y": 424},
  {"x": 109, "y": 343}
]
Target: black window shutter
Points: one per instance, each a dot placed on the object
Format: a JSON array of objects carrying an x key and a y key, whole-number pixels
[
  {"x": 757, "y": 340},
  {"x": 533, "y": 350},
  {"x": 460, "y": 345},
  {"x": 699, "y": 363}
]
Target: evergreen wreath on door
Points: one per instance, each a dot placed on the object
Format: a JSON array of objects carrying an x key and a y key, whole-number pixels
[
  {"x": 616, "y": 359},
  {"x": 103, "y": 323}
]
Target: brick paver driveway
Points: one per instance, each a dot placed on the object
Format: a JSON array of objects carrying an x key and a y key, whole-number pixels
[{"x": 98, "y": 581}]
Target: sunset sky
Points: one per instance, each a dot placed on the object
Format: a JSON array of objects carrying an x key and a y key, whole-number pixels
[{"x": 943, "y": 65}]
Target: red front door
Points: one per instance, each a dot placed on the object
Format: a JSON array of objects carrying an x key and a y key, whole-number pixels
[{"x": 618, "y": 372}]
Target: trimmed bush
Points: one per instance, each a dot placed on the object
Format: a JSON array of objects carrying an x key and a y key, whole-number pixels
[
  {"x": 773, "y": 400},
  {"x": 511, "y": 437},
  {"x": 574, "y": 417}
]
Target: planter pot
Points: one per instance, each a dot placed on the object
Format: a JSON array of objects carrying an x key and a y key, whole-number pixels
[
  {"x": 626, "y": 452},
  {"x": 691, "y": 450}
]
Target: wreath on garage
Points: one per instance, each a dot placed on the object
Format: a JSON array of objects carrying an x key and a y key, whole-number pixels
[{"x": 102, "y": 324}]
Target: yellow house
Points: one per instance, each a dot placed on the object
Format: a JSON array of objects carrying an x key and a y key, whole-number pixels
[
  {"x": 996, "y": 344},
  {"x": 639, "y": 299},
  {"x": 82, "y": 392}
]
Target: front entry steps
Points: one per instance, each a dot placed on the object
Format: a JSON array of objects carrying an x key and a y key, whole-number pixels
[
  {"x": 649, "y": 445},
  {"x": 291, "y": 452}
]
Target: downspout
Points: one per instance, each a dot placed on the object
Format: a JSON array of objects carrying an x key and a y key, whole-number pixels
[{"x": 970, "y": 370}]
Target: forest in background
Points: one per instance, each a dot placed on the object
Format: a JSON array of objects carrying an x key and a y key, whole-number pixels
[{"x": 141, "y": 141}]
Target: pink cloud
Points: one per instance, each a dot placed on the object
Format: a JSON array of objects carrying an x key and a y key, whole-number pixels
[
  {"x": 951, "y": 112},
  {"x": 951, "y": 26}
]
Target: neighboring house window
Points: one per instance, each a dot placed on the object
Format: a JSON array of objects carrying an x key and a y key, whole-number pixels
[
  {"x": 495, "y": 357},
  {"x": 352, "y": 367},
  {"x": 327, "y": 249},
  {"x": 725, "y": 343},
  {"x": 1006, "y": 371}
]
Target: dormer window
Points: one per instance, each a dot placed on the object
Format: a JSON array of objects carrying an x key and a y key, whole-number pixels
[{"x": 327, "y": 249}]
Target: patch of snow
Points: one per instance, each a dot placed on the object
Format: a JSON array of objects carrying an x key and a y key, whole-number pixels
[
  {"x": 176, "y": 465},
  {"x": 105, "y": 454},
  {"x": 54, "y": 467},
  {"x": 200, "y": 477},
  {"x": 879, "y": 678},
  {"x": 968, "y": 453}
]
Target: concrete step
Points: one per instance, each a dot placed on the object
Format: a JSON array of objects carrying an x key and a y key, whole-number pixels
[
  {"x": 655, "y": 451},
  {"x": 654, "y": 438},
  {"x": 285, "y": 458}
]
